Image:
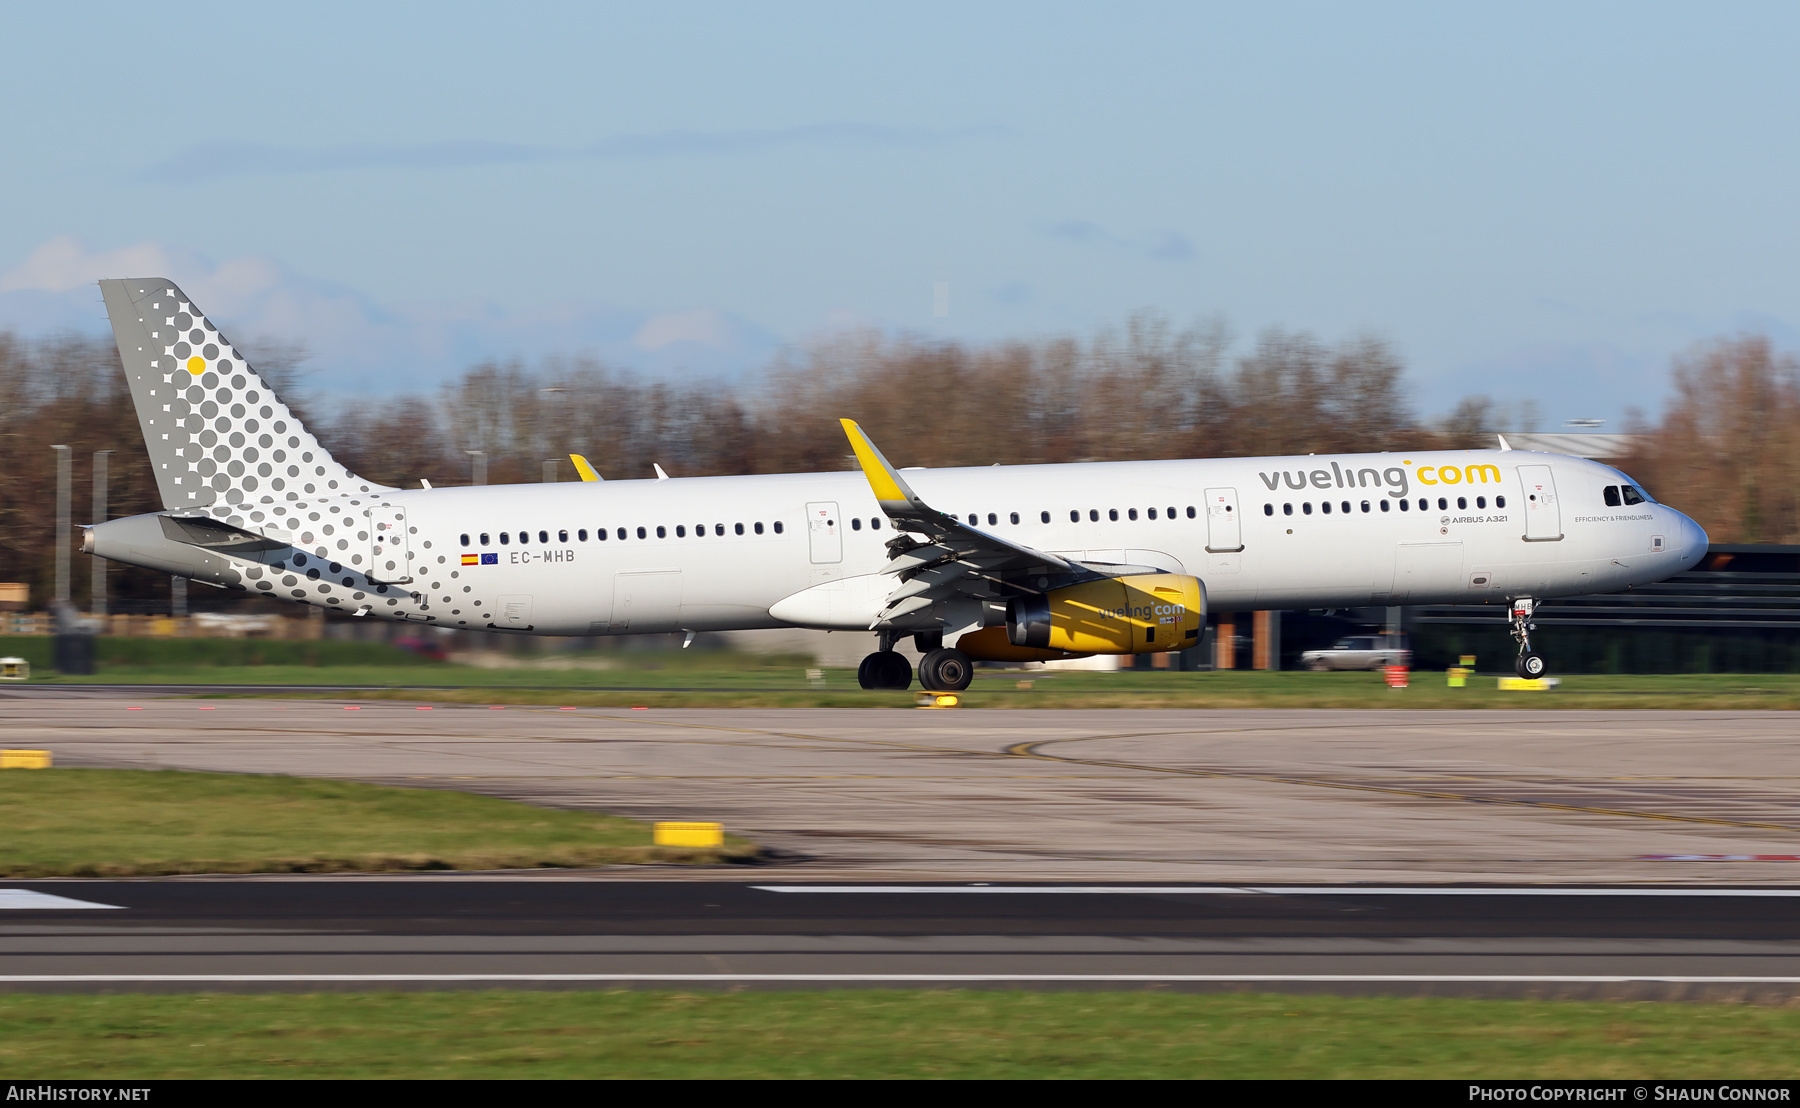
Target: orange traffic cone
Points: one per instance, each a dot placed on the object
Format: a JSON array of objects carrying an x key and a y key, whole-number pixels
[{"x": 1396, "y": 676}]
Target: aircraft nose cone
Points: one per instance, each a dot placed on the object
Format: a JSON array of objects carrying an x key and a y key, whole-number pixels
[{"x": 1693, "y": 543}]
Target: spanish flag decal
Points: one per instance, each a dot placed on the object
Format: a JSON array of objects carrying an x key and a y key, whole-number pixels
[{"x": 471, "y": 559}]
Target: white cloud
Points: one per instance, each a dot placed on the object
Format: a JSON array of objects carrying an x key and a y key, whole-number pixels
[
  {"x": 359, "y": 345},
  {"x": 64, "y": 263},
  {"x": 704, "y": 326}
]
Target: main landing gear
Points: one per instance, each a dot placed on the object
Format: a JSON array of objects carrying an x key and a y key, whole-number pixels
[
  {"x": 885, "y": 669},
  {"x": 1531, "y": 664},
  {"x": 940, "y": 670},
  {"x": 946, "y": 670}
]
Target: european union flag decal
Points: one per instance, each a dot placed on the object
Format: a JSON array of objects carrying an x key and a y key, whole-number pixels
[{"x": 490, "y": 559}]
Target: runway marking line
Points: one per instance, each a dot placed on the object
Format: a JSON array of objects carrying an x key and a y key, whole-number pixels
[
  {"x": 32, "y": 899},
  {"x": 898, "y": 978},
  {"x": 1275, "y": 890}
]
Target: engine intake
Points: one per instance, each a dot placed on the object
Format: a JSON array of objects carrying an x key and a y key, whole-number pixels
[{"x": 1148, "y": 613}]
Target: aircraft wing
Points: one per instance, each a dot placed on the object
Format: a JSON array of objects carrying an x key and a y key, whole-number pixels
[{"x": 955, "y": 560}]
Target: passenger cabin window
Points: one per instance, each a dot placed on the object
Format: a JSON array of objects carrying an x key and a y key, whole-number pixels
[
  {"x": 1325, "y": 507},
  {"x": 1131, "y": 513},
  {"x": 737, "y": 528},
  {"x": 1287, "y": 509},
  {"x": 1268, "y": 509},
  {"x": 1112, "y": 514},
  {"x": 1093, "y": 515},
  {"x": 1462, "y": 503},
  {"x": 484, "y": 538},
  {"x": 1044, "y": 517},
  {"x": 758, "y": 527},
  {"x": 1014, "y": 517},
  {"x": 622, "y": 533},
  {"x": 1384, "y": 506},
  {"x": 855, "y": 523},
  {"x": 974, "y": 520},
  {"x": 1150, "y": 513},
  {"x": 1306, "y": 508},
  {"x": 642, "y": 534},
  {"x": 1365, "y": 507},
  {"x": 1443, "y": 503},
  {"x": 504, "y": 538},
  {"x": 581, "y": 535},
  {"x": 992, "y": 519},
  {"x": 777, "y": 526},
  {"x": 544, "y": 536},
  {"x": 1499, "y": 501},
  {"x": 1481, "y": 502},
  {"x": 661, "y": 531},
  {"x": 680, "y": 531},
  {"x": 1632, "y": 496},
  {"x": 718, "y": 528},
  {"x": 465, "y": 540},
  {"x": 1190, "y": 511},
  {"x": 1404, "y": 504},
  {"x": 563, "y": 536},
  {"x": 1075, "y": 517}
]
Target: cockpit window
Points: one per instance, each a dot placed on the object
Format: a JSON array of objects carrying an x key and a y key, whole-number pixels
[
  {"x": 1612, "y": 496},
  {"x": 1632, "y": 496}
]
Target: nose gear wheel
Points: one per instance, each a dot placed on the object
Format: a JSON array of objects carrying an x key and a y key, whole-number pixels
[{"x": 1531, "y": 664}]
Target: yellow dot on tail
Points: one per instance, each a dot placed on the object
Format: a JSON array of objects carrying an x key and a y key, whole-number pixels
[{"x": 196, "y": 366}]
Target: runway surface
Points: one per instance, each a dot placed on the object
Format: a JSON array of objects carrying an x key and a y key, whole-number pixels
[
  {"x": 1234, "y": 797},
  {"x": 537, "y": 931}
]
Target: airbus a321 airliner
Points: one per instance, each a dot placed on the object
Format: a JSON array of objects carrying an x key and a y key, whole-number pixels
[{"x": 1003, "y": 563}]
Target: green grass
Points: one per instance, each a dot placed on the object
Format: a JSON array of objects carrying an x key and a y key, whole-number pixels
[
  {"x": 108, "y": 822},
  {"x": 1136, "y": 689},
  {"x": 882, "y": 1033},
  {"x": 182, "y": 655},
  {"x": 717, "y": 679}
]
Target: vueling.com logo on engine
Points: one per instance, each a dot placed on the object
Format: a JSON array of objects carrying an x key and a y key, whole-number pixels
[{"x": 1393, "y": 477}]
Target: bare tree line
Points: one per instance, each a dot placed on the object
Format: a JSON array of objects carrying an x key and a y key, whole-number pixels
[{"x": 1726, "y": 450}]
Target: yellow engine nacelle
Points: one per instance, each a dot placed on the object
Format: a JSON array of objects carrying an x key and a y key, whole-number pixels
[{"x": 1149, "y": 613}]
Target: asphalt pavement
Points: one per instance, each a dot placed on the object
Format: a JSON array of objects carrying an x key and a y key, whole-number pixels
[{"x": 550, "y": 931}]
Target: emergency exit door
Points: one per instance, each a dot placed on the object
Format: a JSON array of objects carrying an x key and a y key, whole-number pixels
[
  {"x": 1223, "y": 530},
  {"x": 824, "y": 533}
]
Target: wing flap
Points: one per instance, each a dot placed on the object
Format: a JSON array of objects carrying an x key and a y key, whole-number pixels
[{"x": 957, "y": 561}]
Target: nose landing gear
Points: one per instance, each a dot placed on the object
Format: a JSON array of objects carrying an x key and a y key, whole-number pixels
[{"x": 1531, "y": 664}]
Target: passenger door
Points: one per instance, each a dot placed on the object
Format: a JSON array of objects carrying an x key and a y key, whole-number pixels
[
  {"x": 390, "y": 558},
  {"x": 1223, "y": 532},
  {"x": 1543, "y": 515}
]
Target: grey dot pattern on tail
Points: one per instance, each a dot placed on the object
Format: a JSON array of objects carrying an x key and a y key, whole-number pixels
[{"x": 235, "y": 435}]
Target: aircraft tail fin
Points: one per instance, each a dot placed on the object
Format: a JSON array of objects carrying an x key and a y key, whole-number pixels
[{"x": 218, "y": 436}]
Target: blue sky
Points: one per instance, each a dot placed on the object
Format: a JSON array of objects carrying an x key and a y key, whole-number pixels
[{"x": 1538, "y": 202}]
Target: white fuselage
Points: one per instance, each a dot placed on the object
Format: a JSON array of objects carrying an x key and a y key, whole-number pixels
[{"x": 1277, "y": 547}]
